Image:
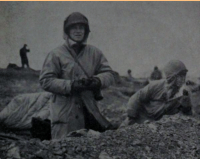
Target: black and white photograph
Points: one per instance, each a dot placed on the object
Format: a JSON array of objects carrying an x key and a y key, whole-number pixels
[{"x": 99, "y": 80}]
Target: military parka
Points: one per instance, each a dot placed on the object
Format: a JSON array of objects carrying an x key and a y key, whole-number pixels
[
  {"x": 151, "y": 102},
  {"x": 59, "y": 71}
]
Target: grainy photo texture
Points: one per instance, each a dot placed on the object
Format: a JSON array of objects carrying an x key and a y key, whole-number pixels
[{"x": 99, "y": 80}]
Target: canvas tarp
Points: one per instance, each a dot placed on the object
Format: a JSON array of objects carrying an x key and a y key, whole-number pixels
[{"x": 19, "y": 112}]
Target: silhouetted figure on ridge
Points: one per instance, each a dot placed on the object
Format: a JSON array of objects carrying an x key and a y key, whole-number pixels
[{"x": 24, "y": 59}]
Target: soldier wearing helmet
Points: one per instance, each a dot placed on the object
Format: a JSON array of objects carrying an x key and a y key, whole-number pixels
[
  {"x": 161, "y": 97},
  {"x": 76, "y": 20},
  {"x": 156, "y": 74},
  {"x": 73, "y": 72}
]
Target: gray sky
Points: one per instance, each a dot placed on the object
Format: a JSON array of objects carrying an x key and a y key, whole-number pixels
[{"x": 132, "y": 35}]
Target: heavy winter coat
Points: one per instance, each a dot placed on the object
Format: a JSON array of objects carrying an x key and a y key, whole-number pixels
[
  {"x": 151, "y": 102},
  {"x": 23, "y": 54},
  {"x": 59, "y": 71},
  {"x": 156, "y": 75}
]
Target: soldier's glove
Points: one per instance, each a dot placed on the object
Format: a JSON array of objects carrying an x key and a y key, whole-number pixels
[
  {"x": 78, "y": 86},
  {"x": 186, "y": 105},
  {"x": 94, "y": 84}
]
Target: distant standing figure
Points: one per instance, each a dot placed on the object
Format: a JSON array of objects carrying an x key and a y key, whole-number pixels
[
  {"x": 156, "y": 74},
  {"x": 23, "y": 56},
  {"x": 129, "y": 76}
]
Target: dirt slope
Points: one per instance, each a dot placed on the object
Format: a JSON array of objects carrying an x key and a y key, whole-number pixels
[{"x": 172, "y": 137}]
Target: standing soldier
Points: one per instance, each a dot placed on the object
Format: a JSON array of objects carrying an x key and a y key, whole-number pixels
[
  {"x": 24, "y": 59},
  {"x": 75, "y": 72},
  {"x": 129, "y": 76},
  {"x": 156, "y": 74}
]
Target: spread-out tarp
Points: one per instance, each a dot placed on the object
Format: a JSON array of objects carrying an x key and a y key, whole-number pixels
[{"x": 19, "y": 112}]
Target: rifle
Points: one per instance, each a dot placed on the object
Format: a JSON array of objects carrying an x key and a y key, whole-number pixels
[{"x": 175, "y": 103}]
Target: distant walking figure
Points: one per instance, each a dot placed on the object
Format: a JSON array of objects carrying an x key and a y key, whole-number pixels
[{"x": 23, "y": 56}]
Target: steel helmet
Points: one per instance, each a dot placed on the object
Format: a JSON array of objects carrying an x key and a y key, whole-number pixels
[
  {"x": 76, "y": 18},
  {"x": 174, "y": 67}
]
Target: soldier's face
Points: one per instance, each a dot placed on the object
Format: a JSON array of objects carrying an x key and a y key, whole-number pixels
[
  {"x": 180, "y": 80},
  {"x": 77, "y": 32}
]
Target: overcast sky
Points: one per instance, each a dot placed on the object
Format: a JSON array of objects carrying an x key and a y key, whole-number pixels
[{"x": 132, "y": 35}]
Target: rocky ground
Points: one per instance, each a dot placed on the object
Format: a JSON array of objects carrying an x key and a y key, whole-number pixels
[{"x": 176, "y": 136}]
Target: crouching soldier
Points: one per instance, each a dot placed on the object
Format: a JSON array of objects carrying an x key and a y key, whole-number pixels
[
  {"x": 162, "y": 97},
  {"x": 75, "y": 72}
]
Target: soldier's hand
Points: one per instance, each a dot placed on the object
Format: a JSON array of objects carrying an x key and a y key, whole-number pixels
[
  {"x": 78, "y": 86},
  {"x": 95, "y": 84}
]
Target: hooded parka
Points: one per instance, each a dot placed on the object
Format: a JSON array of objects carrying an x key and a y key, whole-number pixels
[{"x": 60, "y": 70}]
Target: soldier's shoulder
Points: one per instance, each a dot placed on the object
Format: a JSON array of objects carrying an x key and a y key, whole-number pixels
[
  {"x": 93, "y": 48},
  {"x": 57, "y": 51},
  {"x": 157, "y": 83}
]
